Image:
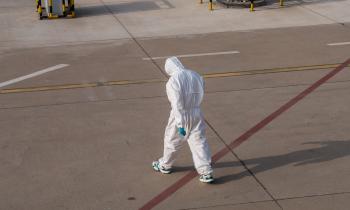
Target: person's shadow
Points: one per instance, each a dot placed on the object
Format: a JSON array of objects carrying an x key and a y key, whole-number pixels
[
  {"x": 122, "y": 7},
  {"x": 325, "y": 151}
]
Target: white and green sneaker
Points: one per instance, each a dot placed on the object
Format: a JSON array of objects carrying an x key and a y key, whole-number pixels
[
  {"x": 206, "y": 178},
  {"x": 159, "y": 168}
]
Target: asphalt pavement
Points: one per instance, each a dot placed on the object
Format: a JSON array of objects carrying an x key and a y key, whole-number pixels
[{"x": 83, "y": 105}]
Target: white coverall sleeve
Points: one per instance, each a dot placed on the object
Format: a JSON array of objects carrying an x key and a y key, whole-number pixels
[{"x": 176, "y": 100}]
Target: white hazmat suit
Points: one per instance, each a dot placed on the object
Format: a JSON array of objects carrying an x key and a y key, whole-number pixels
[{"x": 185, "y": 90}]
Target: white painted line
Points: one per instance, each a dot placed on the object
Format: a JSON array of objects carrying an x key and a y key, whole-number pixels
[
  {"x": 193, "y": 55},
  {"x": 52, "y": 68},
  {"x": 162, "y": 5},
  {"x": 338, "y": 44}
]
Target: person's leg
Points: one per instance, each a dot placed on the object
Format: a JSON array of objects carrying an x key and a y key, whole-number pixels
[
  {"x": 200, "y": 152},
  {"x": 172, "y": 144}
]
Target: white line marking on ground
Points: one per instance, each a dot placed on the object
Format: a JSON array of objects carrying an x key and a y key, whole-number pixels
[
  {"x": 338, "y": 44},
  {"x": 193, "y": 55},
  {"x": 162, "y": 5},
  {"x": 52, "y": 68}
]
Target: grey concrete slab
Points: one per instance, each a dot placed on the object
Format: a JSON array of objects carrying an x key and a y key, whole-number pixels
[
  {"x": 325, "y": 8},
  {"x": 265, "y": 81},
  {"x": 91, "y": 148},
  {"x": 81, "y": 156},
  {"x": 53, "y": 117},
  {"x": 342, "y": 76},
  {"x": 91, "y": 155},
  {"x": 146, "y": 19},
  {"x": 304, "y": 151},
  {"x": 120, "y": 60},
  {"x": 117, "y": 60},
  {"x": 270, "y": 82},
  {"x": 82, "y": 95},
  {"x": 298, "y": 46},
  {"x": 175, "y": 21},
  {"x": 322, "y": 202},
  {"x": 243, "y": 84},
  {"x": 266, "y": 205},
  {"x": 196, "y": 195},
  {"x": 19, "y": 3},
  {"x": 22, "y": 29}
]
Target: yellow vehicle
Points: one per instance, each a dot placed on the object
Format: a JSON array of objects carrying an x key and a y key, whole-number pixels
[{"x": 55, "y": 8}]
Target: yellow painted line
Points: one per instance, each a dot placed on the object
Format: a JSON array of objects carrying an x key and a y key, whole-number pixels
[
  {"x": 48, "y": 88},
  {"x": 76, "y": 86},
  {"x": 134, "y": 82},
  {"x": 150, "y": 81},
  {"x": 267, "y": 71}
]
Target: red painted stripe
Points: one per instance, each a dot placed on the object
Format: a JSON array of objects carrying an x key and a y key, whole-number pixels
[
  {"x": 245, "y": 136},
  {"x": 170, "y": 190}
]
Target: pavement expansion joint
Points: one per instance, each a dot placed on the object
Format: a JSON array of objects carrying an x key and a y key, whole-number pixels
[
  {"x": 319, "y": 14},
  {"x": 312, "y": 196},
  {"x": 134, "y": 39},
  {"x": 227, "y": 205},
  {"x": 246, "y": 136},
  {"x": 243, "y": 164}
]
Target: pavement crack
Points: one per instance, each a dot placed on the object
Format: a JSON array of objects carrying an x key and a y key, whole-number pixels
[
  {"x": 312, "y": 196},
  {"x": 244, "y": 165},
  {"x": 135, "y": 40},
  {"x": 324, "y": 16},
  {"x": 227, "y": 205}
]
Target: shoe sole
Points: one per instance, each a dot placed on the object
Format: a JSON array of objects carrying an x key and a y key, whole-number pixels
[
  {"x": 206, "y": 181},
  {"x": 165, "y": 172}
]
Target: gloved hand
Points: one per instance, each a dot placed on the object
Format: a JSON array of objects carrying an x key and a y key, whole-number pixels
[{"x": 181, "y": 131}]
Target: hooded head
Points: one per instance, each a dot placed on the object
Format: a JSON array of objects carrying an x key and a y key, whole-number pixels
[{"x": 173, "y": 65}]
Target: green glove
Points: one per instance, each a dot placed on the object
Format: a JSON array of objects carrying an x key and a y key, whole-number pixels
[{"x": 181, "y": 131}]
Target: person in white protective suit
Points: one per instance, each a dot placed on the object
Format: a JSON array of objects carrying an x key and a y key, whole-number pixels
[{"x": 185, "y": 90}]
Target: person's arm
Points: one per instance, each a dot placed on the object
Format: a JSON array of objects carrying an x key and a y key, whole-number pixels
[{"x": 176, "y": 100}]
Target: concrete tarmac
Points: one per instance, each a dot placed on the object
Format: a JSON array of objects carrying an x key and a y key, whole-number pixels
[{"x": 84, "y": 136}]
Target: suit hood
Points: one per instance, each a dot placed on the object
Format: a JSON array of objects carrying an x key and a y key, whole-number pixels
[{"x": 173, "y": 65}]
